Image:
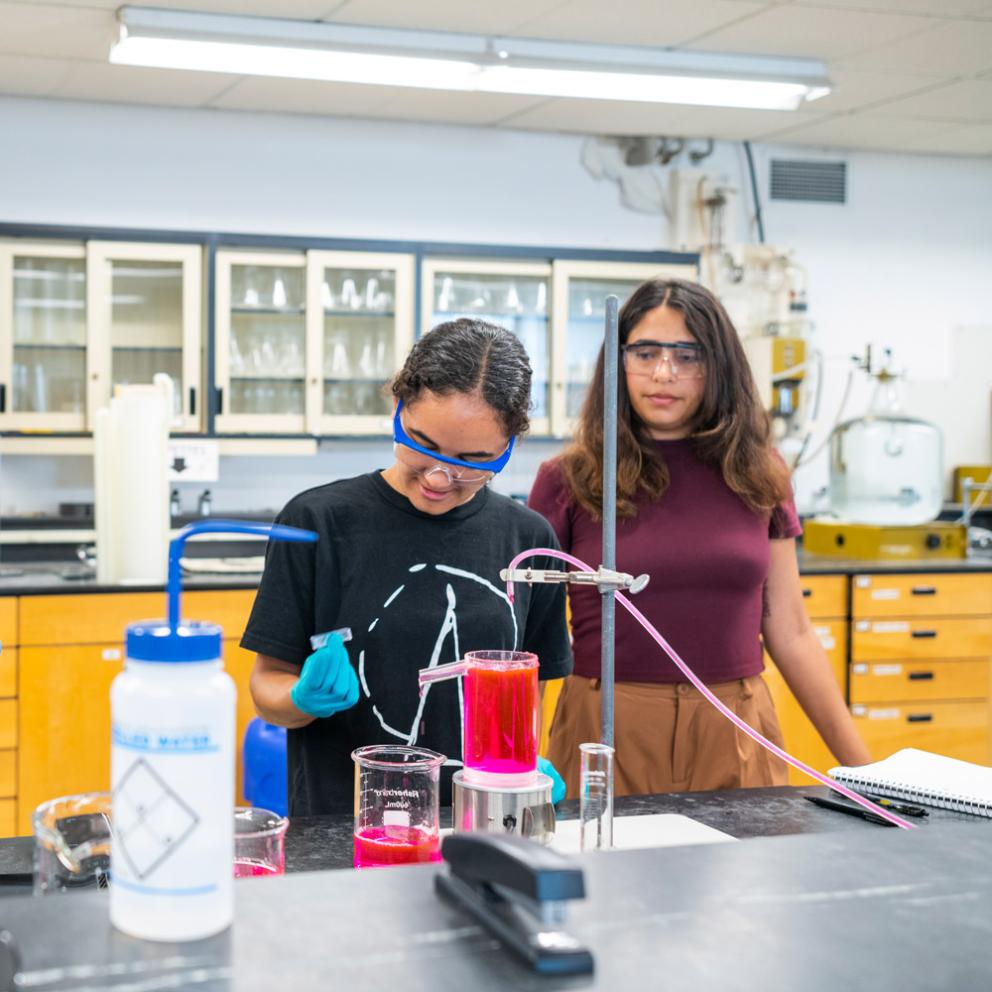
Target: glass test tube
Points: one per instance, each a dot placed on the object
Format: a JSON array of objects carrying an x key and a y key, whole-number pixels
[{"x": 596, "y": 797}]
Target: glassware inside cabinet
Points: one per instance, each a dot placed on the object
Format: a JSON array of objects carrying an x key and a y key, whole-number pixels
[
  {"x": 517, "y": 302},
  {"x": 49, "y": 322},
  {"x": 268, "y": 339},
  {"x": 359, "y": 330},
  {"x": 586, "y": 316},
  {"x": 146, "y": 323}
]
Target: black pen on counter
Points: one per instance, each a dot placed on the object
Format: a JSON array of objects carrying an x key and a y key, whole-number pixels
[
  {"x": 850, "y": 809},
  {"x": 903, "y": 809}
]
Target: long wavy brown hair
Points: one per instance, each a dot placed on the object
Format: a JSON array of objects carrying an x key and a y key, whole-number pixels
[{"x": 731, "y": 430}]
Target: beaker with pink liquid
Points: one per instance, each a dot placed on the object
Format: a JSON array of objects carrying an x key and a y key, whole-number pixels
[
  {"x": 396, "y": 805},
  {"x": 501, "y": 715}
]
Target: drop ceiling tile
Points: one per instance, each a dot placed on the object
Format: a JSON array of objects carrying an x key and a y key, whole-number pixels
[
  {"x": 963, "y": 141},
  {"x": 135, "y": 84},
  {"x": 442, "y": 15},
  {"x": 453, "y": 108},
  {"x": 930, "y": 8},
  {"x": 813, "y": 32},
  {"x": 52, "y": 31},
  {"x": 301, "y": 96},
  {"x": 967, "y": 100},
  {"x": 636, "y": 22},
  {"x": 949, "y": 48},
  {"x": 855, "y": 88},
  {"x": 24, "y": 76},
  {"x": 863, "y": 131}
]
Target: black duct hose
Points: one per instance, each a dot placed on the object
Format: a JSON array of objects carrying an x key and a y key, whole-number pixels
[{"x": 754, "y": 193}]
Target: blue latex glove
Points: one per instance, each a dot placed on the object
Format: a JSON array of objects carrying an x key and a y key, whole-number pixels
[
  {"x": 328, "y": 683},
  {"x": 558, "y": 783}
]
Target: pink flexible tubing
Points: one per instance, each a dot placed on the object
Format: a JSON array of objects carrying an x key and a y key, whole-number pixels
[{"x": 697, "y": 682}]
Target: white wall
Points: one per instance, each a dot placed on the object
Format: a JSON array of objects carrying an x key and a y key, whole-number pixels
[{"x": 905, "y": 263}]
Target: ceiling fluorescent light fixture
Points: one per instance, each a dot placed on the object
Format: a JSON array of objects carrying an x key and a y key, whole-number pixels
[{"x": 258, "y": 46}]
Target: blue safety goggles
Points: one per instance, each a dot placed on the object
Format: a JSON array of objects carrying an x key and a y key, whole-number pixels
[{"x": 400, "y": 436}]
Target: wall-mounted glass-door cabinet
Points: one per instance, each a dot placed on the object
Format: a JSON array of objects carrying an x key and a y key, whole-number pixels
[
  {"x": 307, "y": 341},
  {"x": 514, "y": 295},
  {"x": 77, "y": 320},
  {"x": 360, "y": 320},
  {"x": 145, "y": 313},
  {"x": 43, "y": 336}
]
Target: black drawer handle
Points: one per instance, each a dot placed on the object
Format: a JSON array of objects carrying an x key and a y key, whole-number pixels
[
  {"x": 921, "y": 634},
  {"x": 807, "y": 593},
  {"x": 192, "y": 401},
  {"x": 3, "y": 397},
  {"x": 921, "y": 676},
  {"x": 924, "y": 591},
  {"x": 920, "y": 718}
]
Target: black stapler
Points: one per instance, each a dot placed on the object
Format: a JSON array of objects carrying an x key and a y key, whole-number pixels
[{"x": 518, "y": 891}]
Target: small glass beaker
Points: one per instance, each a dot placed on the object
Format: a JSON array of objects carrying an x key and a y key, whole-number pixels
[
  {"x": 596, "y": 797},
  {"x": 72, "y": 843},
  {"x": 396, "y": 805},
  {"x": 259, "y": 836}
]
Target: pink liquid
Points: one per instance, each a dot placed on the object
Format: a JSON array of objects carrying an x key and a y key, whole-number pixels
[
  {"x": 247, "y": 868},
  {"x": 501, "y": 720},
  {"x": 376, "y": 847}
]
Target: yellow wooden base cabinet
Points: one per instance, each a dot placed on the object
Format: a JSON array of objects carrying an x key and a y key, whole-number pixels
[
  {"x": 71, "y": 651},
  {"x": 826, "y": 603}
]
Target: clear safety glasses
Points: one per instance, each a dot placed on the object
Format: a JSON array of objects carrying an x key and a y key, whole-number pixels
[
  {"x": 685, "y": 360},
  {"x": 427, "y": 462}
]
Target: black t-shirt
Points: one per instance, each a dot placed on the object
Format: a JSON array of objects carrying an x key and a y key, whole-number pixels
[{"x": 411, "y": 586}]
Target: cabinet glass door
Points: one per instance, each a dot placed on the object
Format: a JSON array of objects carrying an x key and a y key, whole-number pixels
[
  {"x": 145, "y": 317},
  {"x": 43, "y": 369},
  {"x": 581, "y": 289},
  {"x": 261, "y": 342},
  {"x": 361, "y": 319},
  {"x": 513, "y": 295}
]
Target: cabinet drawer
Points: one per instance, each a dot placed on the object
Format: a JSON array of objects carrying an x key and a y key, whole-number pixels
[
  {"x": 8, "y": 673},
  {"x": 904, "y": 640},
  {"x": 8, "y": 817},
  {"x": 97, "y": 618},
  {"x": 8, "y": 774},
  {"x": 910, "y": 681},
  {"x": 825, "y": 595},
  {"x": 8, "y": 723},
  {"x": 229, "y": 608},
  {"x": 959, "y": 730},
  {"x": 923, "y": 595},
  {"x": 8, "y": 621}
]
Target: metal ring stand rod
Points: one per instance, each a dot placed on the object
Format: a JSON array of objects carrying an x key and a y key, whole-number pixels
[{"x": 611, "y": 353}]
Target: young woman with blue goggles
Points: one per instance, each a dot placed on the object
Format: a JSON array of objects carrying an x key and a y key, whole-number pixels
[{"x": 408, "y": 558}]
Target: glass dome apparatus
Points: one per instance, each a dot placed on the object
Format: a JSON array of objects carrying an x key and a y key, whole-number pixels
[{"x": 886, "y": 468}]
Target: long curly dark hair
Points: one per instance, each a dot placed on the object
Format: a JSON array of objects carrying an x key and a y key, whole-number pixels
[{"x": 731, "y": 430}]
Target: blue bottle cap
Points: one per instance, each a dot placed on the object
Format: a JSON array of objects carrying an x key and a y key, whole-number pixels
[{"x": 194, "y": 640}]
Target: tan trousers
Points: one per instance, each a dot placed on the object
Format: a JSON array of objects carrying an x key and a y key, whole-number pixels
[{"x": 668, "y": 737}]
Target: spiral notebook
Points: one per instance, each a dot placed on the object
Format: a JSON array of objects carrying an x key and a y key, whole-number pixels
[{"x": 930, "y": 779}]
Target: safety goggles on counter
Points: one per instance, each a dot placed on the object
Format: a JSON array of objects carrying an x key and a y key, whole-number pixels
[
  {"x": 426, "y": 461},
  {"x": 685, "y": 360}
]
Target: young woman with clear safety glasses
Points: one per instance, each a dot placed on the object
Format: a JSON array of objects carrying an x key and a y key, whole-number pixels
[
  {"x": 704, "y": 507},
  {"x": 408, "y": 558}
]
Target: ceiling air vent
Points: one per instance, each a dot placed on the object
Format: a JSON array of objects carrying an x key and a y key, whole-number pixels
[{"x": 811, "y": 182}]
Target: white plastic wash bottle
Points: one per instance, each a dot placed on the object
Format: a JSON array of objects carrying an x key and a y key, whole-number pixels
[{"x": 172, "y": 769}]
